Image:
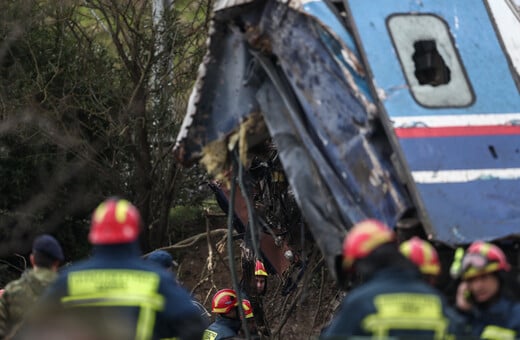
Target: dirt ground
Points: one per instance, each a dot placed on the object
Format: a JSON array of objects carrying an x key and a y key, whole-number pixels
[{"x": 299, "y": 314}]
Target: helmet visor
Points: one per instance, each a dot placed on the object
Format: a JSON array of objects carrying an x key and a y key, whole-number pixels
[{"x": 475, "y": 261}]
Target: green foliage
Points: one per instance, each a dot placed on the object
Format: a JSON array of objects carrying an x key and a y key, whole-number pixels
[
  {"x": 184, "y": 215},
  {"x": 90, "y": 104}
]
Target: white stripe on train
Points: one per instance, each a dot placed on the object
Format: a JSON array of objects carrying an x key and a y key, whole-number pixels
[
  {"x": 490, "y": 119},
  {"x": 463, "y": 176}
]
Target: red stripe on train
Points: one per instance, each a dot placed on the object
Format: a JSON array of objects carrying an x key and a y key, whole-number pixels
[{"x": 457, "y": 131}]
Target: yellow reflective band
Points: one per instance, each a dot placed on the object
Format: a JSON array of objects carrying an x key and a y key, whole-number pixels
[
  {"x": 413, "y": 305},
  {"x": 493, "y": 332},
  {"x": 473, "y": 272},
  {"x": 100, "y": 212},
  {"x": 96, "y": 280},
  {"x": 145, "y": 324},
  {"x": 406, "y": 312},
  {"x": 121, "y": 210},
  {"x": 209, "y": 335},
  {"x": 118, "y": 288},
  {"x": 155, "y": 302},
  {"x": 484, "y": 250},
  {"x": 261, "y": 272}
]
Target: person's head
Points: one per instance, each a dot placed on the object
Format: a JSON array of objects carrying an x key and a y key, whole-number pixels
[
  {"x": 424, "y": 256},
  {"x": 260, "y": 278},
  {"x": 482, "y": 266},
  {"x": 46, "y": 252},
  {"x": 115, "y": 221},
  {"x": 162, "y": 258},
  {"x": 370, "y": 246},
  {"x": 225, "y": 303}
]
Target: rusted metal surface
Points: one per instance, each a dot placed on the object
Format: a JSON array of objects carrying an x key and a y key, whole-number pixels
[{"x": 272, "y": 58}]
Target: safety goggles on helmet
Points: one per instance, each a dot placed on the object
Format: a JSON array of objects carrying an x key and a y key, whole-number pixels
[{"x": 482, "y": 258}]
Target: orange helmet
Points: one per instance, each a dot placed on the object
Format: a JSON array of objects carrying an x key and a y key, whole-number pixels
[
  {"x": 423, "y": 254},
  {"x": 114, "y": 221},
  {"x": 248, "y": 309},
  {"x": 260, "y": 269},
  {"x": 224, "y": 301},
  {"x": 363, "y": 238},
  {"x": 481, "y": 258}
]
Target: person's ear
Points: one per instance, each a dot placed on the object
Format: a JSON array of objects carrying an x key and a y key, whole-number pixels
[{"x": 31, "y": 258}]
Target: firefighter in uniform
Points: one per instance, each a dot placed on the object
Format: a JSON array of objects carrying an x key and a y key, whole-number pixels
[
  {"x": 394, "y": 300},
  {"x": 227, "y": 322},
  {"x": 20, "y": 295},
  {"x": 481, "y": 297},
  {"x": 115, "y": 287}
]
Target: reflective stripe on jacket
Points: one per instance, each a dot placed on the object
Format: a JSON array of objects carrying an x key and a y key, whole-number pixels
[
  {"x": 117, "y": 284},
  {"x": 501, "y": 320},
  {"x": 394, "y": 302}
]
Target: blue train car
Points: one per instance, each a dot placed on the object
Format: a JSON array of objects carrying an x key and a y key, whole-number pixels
[{"x": 403, "y": 110}]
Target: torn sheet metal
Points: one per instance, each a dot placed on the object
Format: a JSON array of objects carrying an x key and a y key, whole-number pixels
[{"x": 282, "y": 61}]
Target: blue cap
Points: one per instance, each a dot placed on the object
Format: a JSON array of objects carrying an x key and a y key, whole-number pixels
[
  {"x": 161, "y": 257},
  {"x": 49, "y": 246}
]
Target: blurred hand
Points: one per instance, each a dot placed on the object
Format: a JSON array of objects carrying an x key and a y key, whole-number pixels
[{"x": 462, "y": 298}]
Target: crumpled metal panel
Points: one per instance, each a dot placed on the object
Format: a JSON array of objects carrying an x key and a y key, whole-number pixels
[
  {"x": 279, "y": 61},
  {"x": 219, "y": 100}
]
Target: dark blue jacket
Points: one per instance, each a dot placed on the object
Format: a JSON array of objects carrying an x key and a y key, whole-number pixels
[
  {"x": 117, "y": 283},
  {"x": 394, "y": 302},
  {"x": 501, "y": 320},
  {"x": 222, "y": 328}
]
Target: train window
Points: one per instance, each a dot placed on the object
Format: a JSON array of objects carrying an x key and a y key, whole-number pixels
[{"x": 430, "y": 61}]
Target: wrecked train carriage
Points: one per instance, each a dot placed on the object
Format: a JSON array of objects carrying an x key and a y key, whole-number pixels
[{"x": 376, "y": 109}]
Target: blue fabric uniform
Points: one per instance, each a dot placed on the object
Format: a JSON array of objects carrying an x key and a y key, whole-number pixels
[
  {"x": 115, "y": 281},
  {"x": 222, "y": 328},
  {"x": 501, "y": 320},
  {"x": 394, "y": 302}
]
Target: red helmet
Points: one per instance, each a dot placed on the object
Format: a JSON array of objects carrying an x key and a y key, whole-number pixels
[
  {"x": 260, "y": 269},
  {"x": 422, "y": 254},
  {"x": 114, "y": 221},
  {"x": 481, "y": 258},
  {"x": 248, "y": 309},
  {"x": 363, "y": 238},
  {"x": 224, "y": 301}
]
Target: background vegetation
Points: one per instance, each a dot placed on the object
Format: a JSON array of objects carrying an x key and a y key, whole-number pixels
[{"x": 92, "y": 94}]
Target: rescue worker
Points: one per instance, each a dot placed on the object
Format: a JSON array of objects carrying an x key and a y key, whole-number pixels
[
  {"x": 260, "y": 278},
  {"x": 227, "y": 322},
  {"x": 393, "y": 301},
  {"x": 21, "y": 294},
  {"x": 424, "y": 256},
  {"x": 165, "y": 260},
  {"x": 481, "y": 297},
  {"x": 256, "y": 295},
  {"x": 115, "y": 287}
]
